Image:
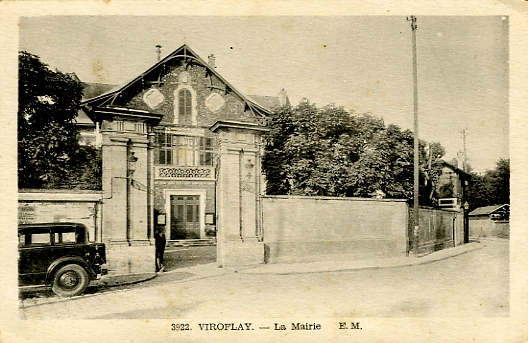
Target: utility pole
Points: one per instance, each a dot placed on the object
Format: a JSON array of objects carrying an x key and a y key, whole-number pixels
[
  {"x": 464, "y": 134},
  {"x": 412, "y": 19}
]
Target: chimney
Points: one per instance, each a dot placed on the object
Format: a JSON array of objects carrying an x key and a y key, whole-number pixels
[
  {"x": 212, "y": 61},
  {"x": 460, "y": 160},
  {"x": 158, "y": 51},
  {"x": 283, "y": 98}
]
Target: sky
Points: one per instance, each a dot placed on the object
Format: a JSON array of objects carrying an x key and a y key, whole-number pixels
[{"x": 363, "y": 63}]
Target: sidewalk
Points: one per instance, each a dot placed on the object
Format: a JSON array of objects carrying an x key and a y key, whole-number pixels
[
  {"x": 212, "y": 269},
  {"x": 339, "y": 266}
]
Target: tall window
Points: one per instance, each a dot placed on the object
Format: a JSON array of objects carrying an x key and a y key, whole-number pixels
[
  {"x": 179, "y": 150},
  {"x": 185, "y": 106},
  {"x": 165, "y": 148},
  {"x": 206, "y": 151}
]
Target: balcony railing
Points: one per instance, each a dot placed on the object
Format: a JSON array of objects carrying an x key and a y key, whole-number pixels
[{"x": 184, "y": 173}]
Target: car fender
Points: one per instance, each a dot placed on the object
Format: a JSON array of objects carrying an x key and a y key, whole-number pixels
[{"x": 67, "y": 260}]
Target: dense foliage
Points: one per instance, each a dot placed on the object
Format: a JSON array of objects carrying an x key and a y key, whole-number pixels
[
  {"x": 332, "y": 152},
  {"x": 491, "y": 187},
  {"x": 49, "y": 155}
]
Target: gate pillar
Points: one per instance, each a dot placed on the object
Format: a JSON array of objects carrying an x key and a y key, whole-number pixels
[
  {"x": 127, "y": 194},
  {"x": 238, "y": 191}
]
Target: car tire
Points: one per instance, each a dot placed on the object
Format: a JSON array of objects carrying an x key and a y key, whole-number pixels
[{"x": 70, "y": 280}]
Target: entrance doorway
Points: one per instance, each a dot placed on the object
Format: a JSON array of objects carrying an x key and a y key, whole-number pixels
[{"x": 184, "y": 217}]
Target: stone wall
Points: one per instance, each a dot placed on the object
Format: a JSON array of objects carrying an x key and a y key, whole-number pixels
[
  {"x": 485, "y": 227},
  {"x": 48, "y": 207},
  {"x": 300, "y": 229},
  {"x": 438, "y": 229}
]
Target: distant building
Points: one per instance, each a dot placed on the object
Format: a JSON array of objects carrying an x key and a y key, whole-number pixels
[
  {"x": 490, "y": 221},
  {"x": 191, "y": 96},
  {"x": 452, "y": 187}
]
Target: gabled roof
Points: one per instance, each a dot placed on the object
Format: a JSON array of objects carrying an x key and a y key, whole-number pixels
[
  {"x": 154, "y": 72},
  {"x": 486, "y": 210},
  {"x": 463, "y": 174}
]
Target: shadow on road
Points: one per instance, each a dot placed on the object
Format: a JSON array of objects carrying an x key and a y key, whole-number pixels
[
  {"x": 175, "y": 258},
  {"x": 182, "y": 257}
]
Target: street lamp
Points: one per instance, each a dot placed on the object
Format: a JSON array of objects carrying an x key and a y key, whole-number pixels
[
  {"x": 131, "y": 168},
  {"x": 249, "y": 166},
  {"x": 131, "y": 164},
  {"x": 466, "y": 222}
]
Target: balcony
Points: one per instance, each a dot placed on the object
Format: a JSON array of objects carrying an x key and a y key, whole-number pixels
[{"x": 184, "y": 173}]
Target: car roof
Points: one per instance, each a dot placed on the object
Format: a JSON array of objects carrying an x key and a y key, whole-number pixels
[{"x": 49, "y": 225}]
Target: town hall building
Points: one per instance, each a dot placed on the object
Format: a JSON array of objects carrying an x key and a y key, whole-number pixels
[{"x": 178, "y": 100}]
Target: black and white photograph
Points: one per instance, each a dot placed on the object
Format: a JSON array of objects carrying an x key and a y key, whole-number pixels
[{"x": 259, "y": 175}]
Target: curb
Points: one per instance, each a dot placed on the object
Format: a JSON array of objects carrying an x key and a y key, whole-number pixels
[
  {"x": 123, "y": 279},
  {"x": 388, "y": 263}
]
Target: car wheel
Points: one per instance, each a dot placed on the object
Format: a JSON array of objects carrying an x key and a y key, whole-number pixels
[{"x": 70, "y": 280}]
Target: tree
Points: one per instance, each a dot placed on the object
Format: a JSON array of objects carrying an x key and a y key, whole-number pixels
[
  {"x": 49, "y": 155},
  {"x": 491, "y": 187},
  {"x": 332, "y": 152},
  {"x": 385, "y": 164}
]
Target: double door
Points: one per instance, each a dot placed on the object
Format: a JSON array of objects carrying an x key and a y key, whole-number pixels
[{"x": 185, "y": 217}]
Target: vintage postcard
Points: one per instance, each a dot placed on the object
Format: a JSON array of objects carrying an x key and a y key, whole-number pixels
[{"x": 263, "y": 171}]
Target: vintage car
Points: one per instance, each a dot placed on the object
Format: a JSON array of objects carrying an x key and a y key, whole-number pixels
[{"x": 60, "y": 256}]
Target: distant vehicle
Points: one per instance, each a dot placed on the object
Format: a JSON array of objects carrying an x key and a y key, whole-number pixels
[{"x": 60, "y": 256}]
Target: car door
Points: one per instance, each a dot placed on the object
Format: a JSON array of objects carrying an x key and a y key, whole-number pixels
[
  {"x": 68, "y": 241},
  {"x": 34, "y": 256}
]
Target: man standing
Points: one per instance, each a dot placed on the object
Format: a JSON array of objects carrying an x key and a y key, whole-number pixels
[{"x": 161, "y": 241}]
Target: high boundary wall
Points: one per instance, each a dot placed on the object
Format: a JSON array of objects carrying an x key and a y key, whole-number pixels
[
  {"x": 485, "y": 227},
  {"x": 439, "y": 229},
  {"x": 48, "y": 206},
  {"x": 303, "y": 229}
]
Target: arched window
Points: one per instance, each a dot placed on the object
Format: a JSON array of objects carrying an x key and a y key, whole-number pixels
[{"x": 185, "y": 106}]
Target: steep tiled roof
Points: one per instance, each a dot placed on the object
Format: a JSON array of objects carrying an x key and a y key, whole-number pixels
[
  {"x": 272, "y": 102},
  {"x": 90, "y": 90},
  {"x": 268, "y": 102},
  {"x": 486, "y": 210}
]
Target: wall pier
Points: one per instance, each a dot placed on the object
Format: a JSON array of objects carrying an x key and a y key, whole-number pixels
[
  {"x": 126, "y": 225},
  {"x": 238, "y": 191}
]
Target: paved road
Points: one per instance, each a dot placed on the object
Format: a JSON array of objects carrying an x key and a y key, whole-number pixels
[
  {"x": 474, "y": 284},
  {"x": 176, "y": 258}
]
